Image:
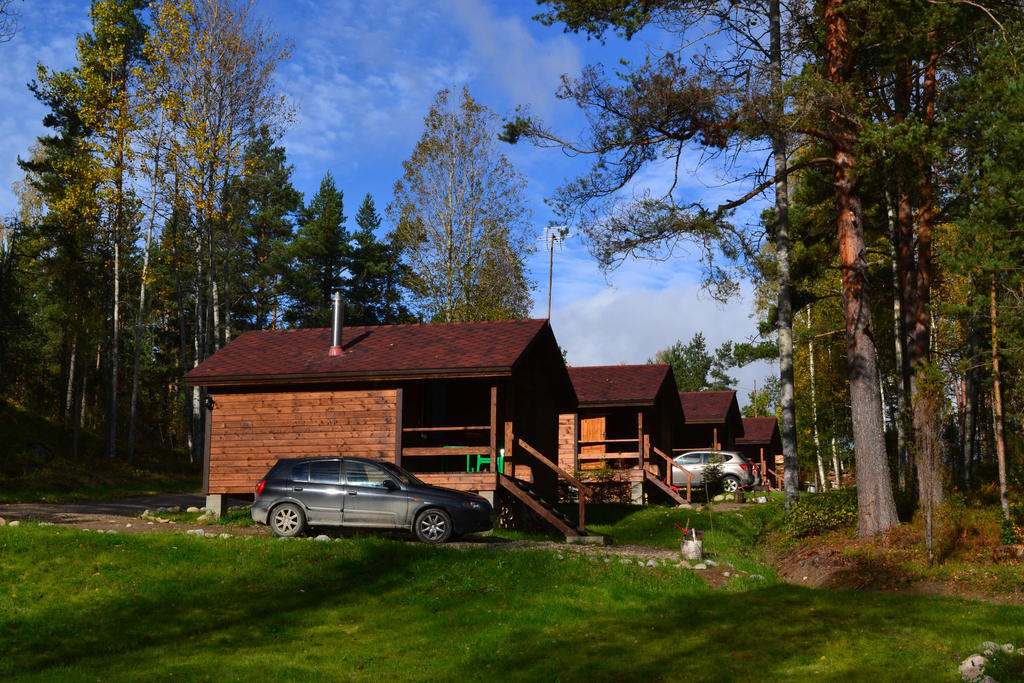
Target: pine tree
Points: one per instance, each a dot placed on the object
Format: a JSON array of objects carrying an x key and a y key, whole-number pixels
[
  {"x": 315, "y": 262},
  {"x": 374, "y": 295}
]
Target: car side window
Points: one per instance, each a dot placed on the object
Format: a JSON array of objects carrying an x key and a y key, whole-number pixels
[
  {"x": 691, "y": 459},
  {"x": 364, "y": 474},
  {"x": 325, "y": 472},
  {"x": 300, "y": 472}
]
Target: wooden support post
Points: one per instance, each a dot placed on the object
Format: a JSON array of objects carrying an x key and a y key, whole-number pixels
[
  {"x": 207, "y": 414},
  {"x": 640, "y": 445},
  {"x": 764, "y": 470},
  {"x": 714, "y": 439},
  {"x": 398, "y": 426},
  {"x": 510, "y": 447},
  {"x": 494, "y": 427}
]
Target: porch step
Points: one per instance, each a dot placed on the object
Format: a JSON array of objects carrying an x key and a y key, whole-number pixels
[
  {"x": 665, "y": 488},
  {"x": 543, "y": 509}
]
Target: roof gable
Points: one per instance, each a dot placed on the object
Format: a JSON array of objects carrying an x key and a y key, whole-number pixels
[
  {"x": 759, "y": 430},
  {"x": 424, "y": 349},
  {"x": 708, "y": 406},
  {"x": 623, "y": 384}
]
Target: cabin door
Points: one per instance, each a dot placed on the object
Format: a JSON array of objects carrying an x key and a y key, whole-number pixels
[{"x": 592, "y": 429}]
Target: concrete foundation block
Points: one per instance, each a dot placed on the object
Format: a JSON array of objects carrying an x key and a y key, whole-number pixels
[{"x": 217, "y": 504}]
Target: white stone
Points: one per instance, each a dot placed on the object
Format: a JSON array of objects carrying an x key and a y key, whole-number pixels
[
  {"x": 683, "y": 564},
  {"x": 700, "y": 566},
  {"x": 128, "y": 525},
  {"x": 711, "y": 563},
  {"x": 174, "y": 508},
  {"x": 607, "y": 560},
  {"x": 1007, "y": 647},
  {"x": 14, "y": 523},
  {"x": 726, "y": 574},
  {"x": 757, "y": 576},
  {"x": 989, "y": 645},
  {"x": 150, "y": 523},
  {"x": 47, "y": 524},
  {"x": 223, "y": 535},
  {"x": 973, "y": 667},
  {"x": 196, "y": 532},
  {"x": 625, "y": 560},
  {"x": 652, "y": 563},
  {"x": 323, "y": 537},
  {"x": 192, "y": 508},
  {"x": 146, "y": 513}
]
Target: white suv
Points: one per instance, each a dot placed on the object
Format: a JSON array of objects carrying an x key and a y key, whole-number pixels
[{"x": 737, "y": 471}]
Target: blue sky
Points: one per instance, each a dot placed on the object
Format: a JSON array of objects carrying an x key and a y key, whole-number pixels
[{"x": 362, "y": 76}]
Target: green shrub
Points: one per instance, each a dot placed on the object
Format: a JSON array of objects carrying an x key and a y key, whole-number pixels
[{"x": 817, "y": 513}]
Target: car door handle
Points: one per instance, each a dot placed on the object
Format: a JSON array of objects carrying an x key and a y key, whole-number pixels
[
  {"x": 352, "y": 493},
  {"x": 297, "y": 488}
]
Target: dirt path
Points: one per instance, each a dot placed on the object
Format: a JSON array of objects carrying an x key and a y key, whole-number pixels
[{"x": 122, "y": 515}]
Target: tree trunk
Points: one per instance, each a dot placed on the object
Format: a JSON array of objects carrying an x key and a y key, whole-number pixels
[
  {"x": 997, "y": 404},
  {"x": 791, "y": 467},
  {"x": 814, "y": 409},
  {"x": 110, "y": 446},
  {"x": 142, "y": 296},
  {"x": 970, "y": 408},
  {"x": 69, "y": 397},
  {"x": 876, "y": 507},
  {"x": 925, "y": 402}
]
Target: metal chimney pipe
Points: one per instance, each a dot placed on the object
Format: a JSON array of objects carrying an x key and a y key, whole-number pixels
[{"x": 337, "y": 324}]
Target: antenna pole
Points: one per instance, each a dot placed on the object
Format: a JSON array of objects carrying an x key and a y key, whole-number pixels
[{"x": 551, "y": 267}]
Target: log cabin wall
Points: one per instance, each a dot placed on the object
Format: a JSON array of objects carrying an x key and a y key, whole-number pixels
[
  {"x": 567, "y": 441},
  {"x": 251, "y": 430}
]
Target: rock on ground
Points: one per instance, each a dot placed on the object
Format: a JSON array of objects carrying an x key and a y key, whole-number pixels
[{"x": 973, "y": 667}]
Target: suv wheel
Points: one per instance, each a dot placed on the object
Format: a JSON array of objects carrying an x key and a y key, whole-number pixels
[
  {"x": 287, "y": 520},
  {"x": 730, "y": 484},
  {"x": 433, "y": 526}
]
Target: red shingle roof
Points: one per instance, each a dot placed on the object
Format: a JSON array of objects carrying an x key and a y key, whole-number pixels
[
  {"x": 369, "y": 352},
  {"x": 707, "y": 406},
  {"x": 609, "y": 384},
  {"x": 758, "y": 430}
]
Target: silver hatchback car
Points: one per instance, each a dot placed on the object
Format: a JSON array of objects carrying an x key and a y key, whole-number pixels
[{"x": 737, "y": 471}]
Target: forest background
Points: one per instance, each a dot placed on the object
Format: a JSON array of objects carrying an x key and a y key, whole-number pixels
[{"x": 897, "y": 249}]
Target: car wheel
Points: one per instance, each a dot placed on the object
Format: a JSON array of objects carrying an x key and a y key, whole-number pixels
[
  {"x": 433, "y": 526},
  {"x": 287, "y": 520},
  {"x": 730, "y": 484}
]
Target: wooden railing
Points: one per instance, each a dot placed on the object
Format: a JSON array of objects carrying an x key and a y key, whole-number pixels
[
  {"x": 672, "y": 463},
  {"x": 447, "y": 450},
  {"x": 583, "y": 488}
]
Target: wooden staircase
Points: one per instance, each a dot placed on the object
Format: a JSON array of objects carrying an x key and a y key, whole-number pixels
[
  {"x": 656, "y": 481},
  {"x": 545, "y": 510}
]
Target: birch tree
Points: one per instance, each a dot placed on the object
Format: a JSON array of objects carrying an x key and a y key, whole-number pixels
[{"x": 461, "y": 219}]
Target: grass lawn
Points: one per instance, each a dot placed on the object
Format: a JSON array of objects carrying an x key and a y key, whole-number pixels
[{"x": 77, "y": 605}]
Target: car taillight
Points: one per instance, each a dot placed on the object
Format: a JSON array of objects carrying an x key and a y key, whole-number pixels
[
  {"x": 260, "y": 485},
  {"x": 743, "y": 466}
]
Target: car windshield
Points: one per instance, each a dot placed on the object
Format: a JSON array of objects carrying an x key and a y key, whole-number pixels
[{"x": 401, "y": 474}]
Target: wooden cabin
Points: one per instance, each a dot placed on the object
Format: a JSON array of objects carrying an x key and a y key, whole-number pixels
[
  {"x": 472, "y": 406},
  {"x": 761, "y": 443},
  {"x": 622, "y": 432},
  {"x": 713, "y": 421}
]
